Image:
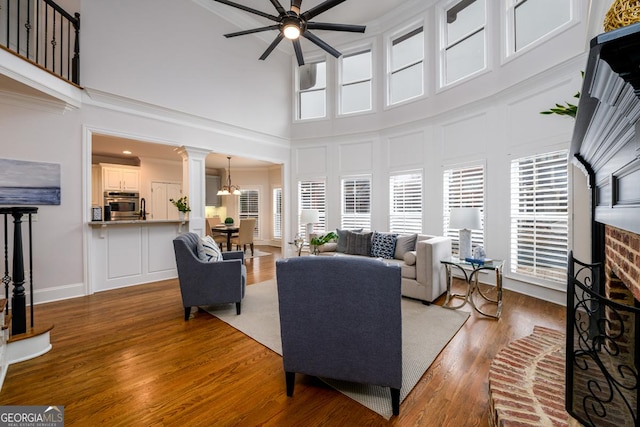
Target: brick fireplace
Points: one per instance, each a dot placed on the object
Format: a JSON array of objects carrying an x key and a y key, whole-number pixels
[{"x": 622, "y": 265}]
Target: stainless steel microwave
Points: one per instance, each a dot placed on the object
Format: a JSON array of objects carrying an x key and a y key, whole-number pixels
[{"x": 122, "y": 205}]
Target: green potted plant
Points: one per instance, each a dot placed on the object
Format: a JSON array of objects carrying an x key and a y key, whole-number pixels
[
  {"x": 183, "y": 206},
  {"x": 228, "y": 221},
  {"x": 321, "y": 240}
]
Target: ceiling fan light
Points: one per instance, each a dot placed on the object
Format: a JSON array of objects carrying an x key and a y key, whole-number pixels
[{"x": 291, "y": 31}]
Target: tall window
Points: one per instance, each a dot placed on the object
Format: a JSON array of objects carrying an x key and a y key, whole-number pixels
[
  {"x": 356, "y": 203},
  {"x": 277, "y": 212},
  {"x": 355, "y": 87},
  {"x": 250, "y": 208},
  {"x": 540, "y": 216},
  {"x": 406, "y": 74},
  {"x": 312, "y": 88},
  {"x": 463, "y": 188},
  {"x": 531, "y": 20},
  {"x": 405, "y": 203},
  {"x": 464, "y": 44},
  {"x": 312, "y": 194}
]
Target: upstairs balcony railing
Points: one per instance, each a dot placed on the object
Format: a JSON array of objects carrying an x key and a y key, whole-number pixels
[{"x": 44, "y": 34}]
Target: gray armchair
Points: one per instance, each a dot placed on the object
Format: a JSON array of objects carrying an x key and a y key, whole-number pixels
[
  {"x": 340, "y": 318},
  {"x": 207, "y": 283}
]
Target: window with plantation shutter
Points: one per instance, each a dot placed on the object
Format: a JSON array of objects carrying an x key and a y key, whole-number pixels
[
  {"x": 250, "y": 208},
  {"x": 312, "y": 195},
  {"x": 277, "y": 213},
  {"x": 540, "y": 216},
  {"x": 405, "y": 203},
  {"x": 356, "y": 203},
  {"x": 463, "y": 188}
]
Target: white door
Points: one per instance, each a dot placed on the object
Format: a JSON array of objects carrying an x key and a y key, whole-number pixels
[{"x": 161, "y": 207}]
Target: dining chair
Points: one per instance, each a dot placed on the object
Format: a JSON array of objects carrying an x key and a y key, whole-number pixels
[
  {"x": 219, "y": 238},
  {"x": 245, "y": 234}
]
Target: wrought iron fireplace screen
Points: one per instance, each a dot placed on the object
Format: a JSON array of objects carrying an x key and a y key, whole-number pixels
[{"x": 602, "y": 352}]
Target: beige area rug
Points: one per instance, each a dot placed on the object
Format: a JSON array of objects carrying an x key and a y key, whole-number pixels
[{"x": 426, "y": 330}]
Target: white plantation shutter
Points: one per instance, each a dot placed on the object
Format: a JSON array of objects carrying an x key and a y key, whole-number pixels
[
  {"x": 540, "y": 215},
  {"x": 277, "y": 213},
  {"x": 312, "y": 195},
  {"x": 405, "y": 207},
  {"x": 356, "y": 203},
  {"x": 250, "y": 208},
  {"x": 463, "y": 188}
]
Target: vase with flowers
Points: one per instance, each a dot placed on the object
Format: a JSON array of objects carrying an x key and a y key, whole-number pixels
[{"x": 183, "y": 206}]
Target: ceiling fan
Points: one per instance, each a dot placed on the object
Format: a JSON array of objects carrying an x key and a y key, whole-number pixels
[{"x": 292, "y": 24}]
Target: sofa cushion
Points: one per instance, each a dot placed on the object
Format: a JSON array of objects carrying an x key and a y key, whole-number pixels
[
  {"x": 328, "y": 247},
  {"x": 358, "y": 243},
  {"x": 410, "y": 258},
  {"x": 383, "y": 245},
  {"x": 208, "y": 250},
  {"x": 342, "y": 238},
  {"x": 404, "y": 244}
]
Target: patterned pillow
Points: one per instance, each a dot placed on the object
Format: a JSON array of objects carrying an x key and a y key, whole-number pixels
[
  {"x": 383, "y": 245},
  {"x": 358, "y": 243},
  {"x": 208, "y": 250},
  {"x": 342, "y": 238}
]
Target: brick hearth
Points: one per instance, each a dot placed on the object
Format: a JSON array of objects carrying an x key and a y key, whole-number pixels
[{"x": 527, "y": 383}]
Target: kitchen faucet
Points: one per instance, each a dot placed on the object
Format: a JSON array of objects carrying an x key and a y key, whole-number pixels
[{"x": 143, "y": 209}]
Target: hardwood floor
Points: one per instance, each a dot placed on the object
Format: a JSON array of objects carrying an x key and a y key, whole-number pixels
[{"x": 126, "y": 357}]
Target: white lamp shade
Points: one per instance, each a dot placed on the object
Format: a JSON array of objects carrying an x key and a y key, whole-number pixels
[
  {"x": 465, "y": 219},
  {"x": 309, "y": 216}
]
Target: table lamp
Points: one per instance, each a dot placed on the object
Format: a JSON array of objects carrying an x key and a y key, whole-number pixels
[
  {"x": 465, "y": 220},
  {"x": 309, "y": 217}
]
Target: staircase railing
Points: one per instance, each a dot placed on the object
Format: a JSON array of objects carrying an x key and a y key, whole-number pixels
[{"x": 44, "y": 34}]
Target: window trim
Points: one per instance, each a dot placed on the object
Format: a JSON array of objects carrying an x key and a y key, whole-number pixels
[
  {"x": 546, "y": 282},
  {"x": 275, "y": 214},
  {"x": 297, "y": 91},
  {"x": 389, "y": 42},
  {"x": 367, "y": 177},
  {"x": 475, "y": 233},
  {"x": 371, "y": 79},
  {"x": 321, "y": 226},
  {"x": 508, "y": 30},
  {"x": 443, "y": 8},
  {"x": 391, "y": 198}
]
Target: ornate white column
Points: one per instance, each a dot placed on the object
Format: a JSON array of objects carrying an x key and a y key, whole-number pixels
[{"x": 194, "y": 185}]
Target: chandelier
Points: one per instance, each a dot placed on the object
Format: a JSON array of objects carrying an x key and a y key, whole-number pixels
[{"x": 229, "y": 189}]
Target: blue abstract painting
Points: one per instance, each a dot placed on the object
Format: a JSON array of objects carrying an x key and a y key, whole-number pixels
[{"x": 29, "y": 183}]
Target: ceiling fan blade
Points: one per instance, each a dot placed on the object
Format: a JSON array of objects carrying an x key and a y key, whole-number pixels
[
  {"x": 254, "y": 30},
  {"x": 336, "y": 27},
  {"x": 320, "y": 43},
  {"x": 322, "y": 7},
  {"x": 278, "y": 7},
  {"x": 249, "y": 9},
  {"x": 272, "y": 46},
  {"x": 295, "y": 6},
  {"x": 298, "y": 49}
]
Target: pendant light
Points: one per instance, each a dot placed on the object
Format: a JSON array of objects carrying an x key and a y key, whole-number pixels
[{"x": 229, "y": 189}]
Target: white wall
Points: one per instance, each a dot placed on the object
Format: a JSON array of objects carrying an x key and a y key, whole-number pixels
[{"x": 490, "y": 119}]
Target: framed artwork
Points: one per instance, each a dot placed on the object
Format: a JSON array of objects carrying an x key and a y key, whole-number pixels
[{"x": 29, "y": 183}]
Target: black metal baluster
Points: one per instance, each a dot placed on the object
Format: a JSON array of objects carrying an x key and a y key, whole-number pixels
[
  {"x": 18, "y": 301},
  {"x": 46, "y": 33},
  {"x": 6, "y": 279},
  {"x": 76, "y": 51},
  {"x": 8, "y": 22},
  {"x": 18, "y": 27},
  {"x": 31, "y": 268},
  {"x": 27, "y": 26},
  {"x": 68, "y": 50},
  {"x": 53, "y": 43},
  {"x": 37, "y": 32}
]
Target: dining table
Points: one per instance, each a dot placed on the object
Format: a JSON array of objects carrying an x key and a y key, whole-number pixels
[{"x": 229, "y": 230}]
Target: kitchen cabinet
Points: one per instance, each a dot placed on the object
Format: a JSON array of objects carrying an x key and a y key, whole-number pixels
[
  {"x": 212, "y": 187},
  {"x": 120, "y": 178}
]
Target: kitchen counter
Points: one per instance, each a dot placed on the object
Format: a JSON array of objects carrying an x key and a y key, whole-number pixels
[
  {"x": 139, "y": 221},
  {"x": 131, "y": 252}
]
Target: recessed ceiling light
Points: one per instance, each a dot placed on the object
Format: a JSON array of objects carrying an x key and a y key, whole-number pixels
[{"x": 126, "y": 152}]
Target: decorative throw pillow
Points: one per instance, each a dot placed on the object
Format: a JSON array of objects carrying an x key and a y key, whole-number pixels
[
  {"x": 208, "y": 250},
  {"x": 358, "y": 243},
  {"x": 405, "y": 244},
  {"x": 410, "y": 258},
  {"x": 342, "y": 239},
  {"x": 383, "y": 245}
]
